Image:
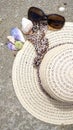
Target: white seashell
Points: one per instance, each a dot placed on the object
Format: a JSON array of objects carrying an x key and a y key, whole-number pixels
[
  {"x": 11, "y": 39},
  {"x": 61, "y": 9},
  {"x": 27, "y": 25}
]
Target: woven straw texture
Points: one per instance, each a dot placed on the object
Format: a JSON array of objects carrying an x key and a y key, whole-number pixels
[
  {"x": 26, "y": 85},
  {"x": 56, "y": 72},
  {"x": 62, "y": 36}
]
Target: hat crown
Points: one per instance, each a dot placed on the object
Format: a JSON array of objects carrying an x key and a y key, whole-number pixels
[
  {"x": 59, "y": 71},
  {"x": 56, "y": 73}
]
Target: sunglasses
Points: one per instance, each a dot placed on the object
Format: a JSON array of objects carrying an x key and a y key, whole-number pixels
[{"x": 54, "y": 20}]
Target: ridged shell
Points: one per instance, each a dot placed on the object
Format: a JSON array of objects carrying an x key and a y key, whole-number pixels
[
  {"x": 11, "y": 46},
  {"x": 27, "y": 25},
  {"x": 17, "y": 34}
]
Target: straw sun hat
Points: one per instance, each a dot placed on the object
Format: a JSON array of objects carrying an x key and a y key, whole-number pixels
[{"x": 53, "y": 102}]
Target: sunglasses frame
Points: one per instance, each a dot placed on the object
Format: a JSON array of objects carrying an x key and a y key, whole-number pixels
[{"x": 43, "y": 16}]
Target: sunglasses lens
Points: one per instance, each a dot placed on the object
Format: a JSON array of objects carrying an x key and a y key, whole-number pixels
[
  {"x": 35, "y": 14},
  {"x": 56, "y": 21}
]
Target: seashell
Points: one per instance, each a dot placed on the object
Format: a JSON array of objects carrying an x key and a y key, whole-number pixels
[
  {"x": 11, "y": 39},
  {"x": 61, "y": 9},
  {"x": 17, "y": 34},
  {"x": 18, "y": 45},
  {"x": 11, "y": 46},
  {"x": 27, "y": 26}
]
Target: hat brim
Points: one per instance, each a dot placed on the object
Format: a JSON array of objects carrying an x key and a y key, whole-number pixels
[{"x": 26, "y": 85}]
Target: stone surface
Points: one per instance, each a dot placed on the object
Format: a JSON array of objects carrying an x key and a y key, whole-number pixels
[{"x": 12, "y": 115}]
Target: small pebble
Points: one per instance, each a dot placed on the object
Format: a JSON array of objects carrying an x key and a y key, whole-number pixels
[
  {"x": 61, "y": 9},
  {"x": 1, "y": 44},
  {"x": 65, "y": 3},
  {"x": 1, "y": 67},
  {"x": 14, "y": 53}
]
